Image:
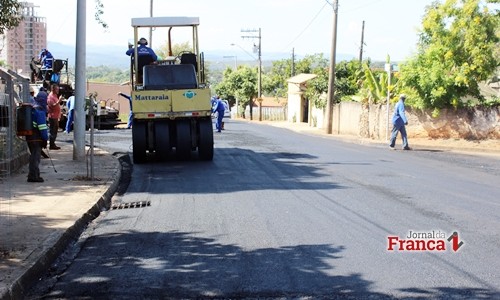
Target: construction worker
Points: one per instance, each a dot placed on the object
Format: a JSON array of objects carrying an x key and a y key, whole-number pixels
[
  {"x": 41, "y": 99},
  {"x": 399, "y": 121},
  {"x": 70, "y": 104},
  {"x": 54, "y": 110},
  {"x": 46, "y": 60},
  {"x": 130, "y": 114},
  {"x": 142, "y": 49},
  {"x": 145, "y": 55},
  {"x": 218, "y": 106},
  {"x": 37, "y": 140}
]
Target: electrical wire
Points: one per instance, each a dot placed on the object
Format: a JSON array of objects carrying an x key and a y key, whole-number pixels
[
  {"x": 362, "y": 6},
  {"x": 307, "y": 26}
]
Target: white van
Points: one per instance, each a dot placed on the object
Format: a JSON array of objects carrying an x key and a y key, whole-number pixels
[{"x": 227, "y": 110}]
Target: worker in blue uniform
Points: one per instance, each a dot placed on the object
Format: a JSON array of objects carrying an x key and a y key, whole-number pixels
[
  {"x": 142, "y": 49},
  {"x": 37, "y": 140},
  {"x": 218, "y": 107},
  {"x": 399, "y": 121},
  {"x": 70, "y": 104},
  {"x": 46, "y": 60},
  {"x": 145, "y": 55},
  {"x": 130, "y": 114}
]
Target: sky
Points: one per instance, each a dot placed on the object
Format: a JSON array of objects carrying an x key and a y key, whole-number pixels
[{"x": 302, "y": 26}]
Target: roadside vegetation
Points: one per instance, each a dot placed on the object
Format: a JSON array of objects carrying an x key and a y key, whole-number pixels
[{"x": 458, "y": 52}]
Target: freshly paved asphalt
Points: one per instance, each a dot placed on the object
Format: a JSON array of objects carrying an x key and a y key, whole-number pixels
[{"x": 39, "y": 220}]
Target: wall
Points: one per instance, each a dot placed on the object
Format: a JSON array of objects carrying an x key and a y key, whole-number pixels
[
  {"x": 108, "y": 92},
  {"x": 352, "y": 118}
]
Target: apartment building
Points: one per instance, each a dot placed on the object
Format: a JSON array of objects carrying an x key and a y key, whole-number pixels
[{"x": 19, "y": 45}]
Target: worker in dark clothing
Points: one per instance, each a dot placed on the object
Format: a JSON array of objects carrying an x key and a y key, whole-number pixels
[
  {"x": 41, "y": 99},
  {"x": 46, "y": 60},
  {"x": 37, "y": 140},
  {"x": 218, "y": 107},
  {"x": 145, "y": 55},
  {"x": 142, "y": 49},
  {"x": 130, "y": 114}
]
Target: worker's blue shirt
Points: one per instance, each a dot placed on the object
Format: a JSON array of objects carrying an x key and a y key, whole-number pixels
[
  {"x": 218, "y": 106},
  {"x": 46, "y": 60},
  {"x": 142, "y": 50},
  {"x": 39, "y": 124},
  {"x": 70, "y": 104},
  {"x": 399, "y": 117}
]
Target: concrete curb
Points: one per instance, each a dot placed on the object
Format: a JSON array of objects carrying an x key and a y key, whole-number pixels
[{"x": 44, "y": 261}]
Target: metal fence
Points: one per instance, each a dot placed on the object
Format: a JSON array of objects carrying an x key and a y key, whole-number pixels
[
  {"x": 14, "y": 90},
  {"x": 268, "y": 113}
]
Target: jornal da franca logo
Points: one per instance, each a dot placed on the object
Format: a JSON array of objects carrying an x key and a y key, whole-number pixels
[{"x": 428, "y": 241}]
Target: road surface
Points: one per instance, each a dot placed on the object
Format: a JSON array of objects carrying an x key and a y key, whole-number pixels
[{"x": 279, "y": 214}]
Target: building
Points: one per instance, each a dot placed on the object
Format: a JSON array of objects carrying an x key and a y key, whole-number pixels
[
  {"x": 19, "y": 45},
  {"x": 298, "y": 104}
]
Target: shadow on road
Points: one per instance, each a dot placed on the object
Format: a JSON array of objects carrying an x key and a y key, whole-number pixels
[
  {"x": 182, "y": 265},
  {"x": 234, "y": 169}
]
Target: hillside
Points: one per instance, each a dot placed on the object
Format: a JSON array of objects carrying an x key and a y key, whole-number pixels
[{"x": 114, "y": 56}]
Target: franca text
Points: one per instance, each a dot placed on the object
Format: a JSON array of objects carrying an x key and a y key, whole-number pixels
[{"x": 397, "y": 244}]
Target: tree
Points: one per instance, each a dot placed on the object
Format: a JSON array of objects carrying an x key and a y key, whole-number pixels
[
  {"x": 9, "y": 15},
  {"x": 240, "y": 83},
  {"x": 374, "y": 85},
  {"x": 276, "y": 80},
  {"x": 347, "y": 76},
  {"x": 99, "y": 11},
  {"x": 164, "y": 52},
  {"x": 456, "y": 51},
  {"x": 275, "y": 83}
]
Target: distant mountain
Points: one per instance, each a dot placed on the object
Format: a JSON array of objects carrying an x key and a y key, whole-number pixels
[
  {"x": 105, "y": 55},
  {"x": 114, "y": 56}
]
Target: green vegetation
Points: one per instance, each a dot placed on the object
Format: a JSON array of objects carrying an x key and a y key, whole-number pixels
[
  {"x": 240, "y": 84},
  {"x": 457, "y": 52},
  {"x": 9, "y": 16},
  {"x": 106, "y": 74},
  {"x": 458, "y": 49}
]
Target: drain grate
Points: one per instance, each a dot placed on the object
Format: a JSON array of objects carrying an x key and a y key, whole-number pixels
[{"x": 126, "y": 205}]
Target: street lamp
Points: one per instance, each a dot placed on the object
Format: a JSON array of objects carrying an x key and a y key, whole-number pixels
[
  {"x": 235, "y": 60},
  {"x": 249, "y": 54}
]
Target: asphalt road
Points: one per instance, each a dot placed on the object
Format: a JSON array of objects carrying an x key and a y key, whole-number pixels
[{"x": 279, "y": 214}]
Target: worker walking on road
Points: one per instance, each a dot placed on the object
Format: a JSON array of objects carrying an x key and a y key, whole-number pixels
[
  {"x": 399, "y": 121},
  {"x": 37, "y": 140},
  {"x": 218, "y": 107}
]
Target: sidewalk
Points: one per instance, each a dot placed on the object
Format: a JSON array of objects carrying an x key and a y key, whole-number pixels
[
  {"x": 485, "y": 147},
  {"x": 39, "y": 220}
]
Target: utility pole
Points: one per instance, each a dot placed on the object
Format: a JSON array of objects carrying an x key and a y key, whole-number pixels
[
  {"x": 259, "y": 85},
  {"x": 293, "y": 63},
  {"x": 388, "y": 69},
  {"x": 362, "y": 42},
  {"x": 151, "y": 28},
  {"x": 80, "y": 75},
  {"x": 331, "y": 76}
]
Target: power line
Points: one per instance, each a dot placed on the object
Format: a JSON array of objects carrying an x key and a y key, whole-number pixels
[
  {"x": 302, "y": 32},
  {"x": 362, "y": 6}
]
